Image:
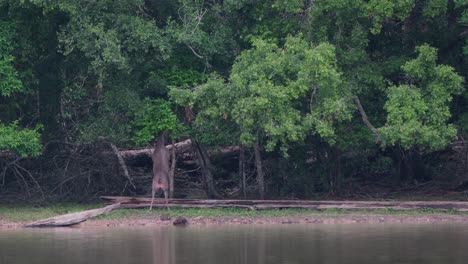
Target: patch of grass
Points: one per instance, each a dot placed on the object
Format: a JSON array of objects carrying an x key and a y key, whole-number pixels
[
  {"x": 240, "y": 212},
  {"x": 205, "y": 212},
  {"x": 31, "y": 213}
]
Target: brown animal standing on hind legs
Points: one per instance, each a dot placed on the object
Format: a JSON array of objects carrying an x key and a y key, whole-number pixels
[{"x": 160, "y": 158}]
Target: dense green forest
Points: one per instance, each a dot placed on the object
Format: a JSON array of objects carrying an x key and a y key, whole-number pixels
[{"x": 280, "y": 98}]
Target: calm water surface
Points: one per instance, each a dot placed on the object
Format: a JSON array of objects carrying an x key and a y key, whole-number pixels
[{"x": 354, "y": 244}]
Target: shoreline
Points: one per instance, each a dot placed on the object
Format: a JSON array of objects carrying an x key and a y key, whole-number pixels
[{"x": 144, "y": 218}]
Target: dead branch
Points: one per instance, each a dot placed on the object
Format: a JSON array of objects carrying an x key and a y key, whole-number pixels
[
  {"x": 180, "y": 148},
  {"x": 122, "y": 164},
  {"x": 32, "y": 178},
  {"x": 365, "y": 119}
]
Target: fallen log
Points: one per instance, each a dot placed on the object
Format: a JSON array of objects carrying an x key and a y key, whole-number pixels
[
  {"x": 180, "y": 147},
  {"x": 140, "y": 202},
  {"x": 73, "y": 218},
  {"x": 136, "y": 206}
]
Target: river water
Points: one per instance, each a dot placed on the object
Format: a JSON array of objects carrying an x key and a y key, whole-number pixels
[{"x": 352, "y": 243}]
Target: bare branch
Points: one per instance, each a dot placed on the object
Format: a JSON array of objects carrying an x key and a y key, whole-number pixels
[
  {"x": 122, "y": 164},
  {"x": 32, "y": 178},
  {"x": 312, "y": 97},
  {"x": 365, "y": 119},
  {"x": 194, "y": 52}
]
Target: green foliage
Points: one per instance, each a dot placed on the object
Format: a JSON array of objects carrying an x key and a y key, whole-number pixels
[
  {"x": 183, "y": 78},
  {"x": 274, "y": 20},
  {"x": 9, "y": 81},
  {"x": 380, "y": 10},
  {"x": 463, "y": 122},
  {"x": 204, "y": 31},
  {"x": 113, "y": 120},
  {"x": 435, "y": 8},
  {"x": 271, "y": 85},
  {"x": 81, "y": 68},
  {"x": 156, "y": 117},
  {"x": 109, "y": 34},
  {"x": 25, "y": 142},
  {"x": 464, "y": 22},
  {"x": 212, "y": 101},
  {"x": 418, "y": 113}
]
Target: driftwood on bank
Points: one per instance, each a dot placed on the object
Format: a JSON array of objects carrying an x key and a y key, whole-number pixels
[
  {"x": 139, "y": 202},
  {"x": 73, "y": 218}
]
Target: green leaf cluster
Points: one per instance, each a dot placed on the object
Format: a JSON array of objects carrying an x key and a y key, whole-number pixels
[
  {"x": 156, "y": 117},
  {"x": 418, "y": 112},
  {"x": 25, "y": 142},
  {"x": 9, "y": 80}
]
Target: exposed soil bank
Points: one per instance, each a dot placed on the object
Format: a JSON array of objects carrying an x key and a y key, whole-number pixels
[{"x": 297, "y": 218}]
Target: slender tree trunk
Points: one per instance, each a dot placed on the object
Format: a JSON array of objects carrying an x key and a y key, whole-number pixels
[
  {"x": 408, "y": 162},
  {"x": 172, "y": 170},
  {"x": 260, "y": 173},
  {"x": 242, "y": 171},
  {"x": 336, "y": 170},
  {"x": 398, "y": 170},
  {"x": 205, "y": 166}
]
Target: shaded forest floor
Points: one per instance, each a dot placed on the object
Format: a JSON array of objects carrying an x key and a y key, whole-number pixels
[{"x": 429, "y": 191}]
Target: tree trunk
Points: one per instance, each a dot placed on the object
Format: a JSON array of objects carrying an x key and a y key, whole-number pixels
[
  {"x": 242, "y": 171},
  {"x": 396, "y": 181},
  {"x": 408, "y": 161},
  {"x": 172, "y": 170},
  {"x": 205, "y": 167},
  {"x": 335, "y": 172},
  {"x": 260, "y": 173}
]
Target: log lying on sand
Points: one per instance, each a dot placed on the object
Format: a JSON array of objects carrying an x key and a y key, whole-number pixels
[
  {"x": 73, "y": 218},
  {"x": 138, "y": 202}
]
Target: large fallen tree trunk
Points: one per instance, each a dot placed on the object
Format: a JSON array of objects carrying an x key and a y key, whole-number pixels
[
  {"x": 73, "y": 218},
  {"x": 137, "y": 202},
  {"x": 180, "y": 147}
]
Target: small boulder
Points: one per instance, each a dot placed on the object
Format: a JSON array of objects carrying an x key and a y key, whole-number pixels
[
  {"x": 165, "y": 217},
  {"x": 180, "y": 221}
]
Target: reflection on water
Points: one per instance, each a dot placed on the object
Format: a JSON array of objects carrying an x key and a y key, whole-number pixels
[{"x": 403, "y": 243}]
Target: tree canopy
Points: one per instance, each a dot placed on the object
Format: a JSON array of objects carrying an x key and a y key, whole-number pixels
[{"x": 371, "y": 83}]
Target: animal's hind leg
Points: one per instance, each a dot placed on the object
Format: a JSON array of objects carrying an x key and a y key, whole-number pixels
[
  {"x": 166, "y": 194},
  {"x": 153, "y": 190}
]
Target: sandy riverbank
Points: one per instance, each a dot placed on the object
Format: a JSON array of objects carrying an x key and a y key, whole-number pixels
[{"x": 303, "y": 218}]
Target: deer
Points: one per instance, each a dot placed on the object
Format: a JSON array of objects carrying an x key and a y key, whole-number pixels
[{"x": 160, "y": 159}]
